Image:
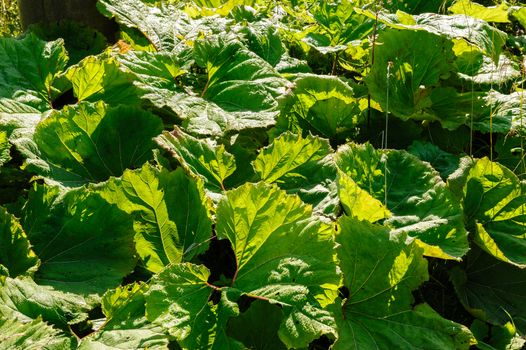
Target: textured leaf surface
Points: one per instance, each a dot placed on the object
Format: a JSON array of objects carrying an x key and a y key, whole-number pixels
[
  {"x": 85, "y": 244},
  {"x": 485, "y": 37},
  {"x": 172, "y": 223},
  {"x": 166, "y": 27},
  {"x": 35, "y": 335},
  {"x": 323, "y": 105},
  {"x": 407, "y": 66},
  {"x": 178, "y": 301},
  {"x": 99, "y": 78},
  {"x": 492, "y": 290},
  {"x": 28, "y": 67},
  {"x": 281, "y": 255},
  {"x": 91, "y": 142},
  {"x": 16, "y": 255},
  {"x": 495, "y": 204},
  {"x": 380, "y": 271},
  {"x": 22, "y": 299},
  {"x": 421, "y": 204},
  {"x": 126, "y": 326},
  {"x": 201, "y": 157},
  {"x": 302, "y": 166}
]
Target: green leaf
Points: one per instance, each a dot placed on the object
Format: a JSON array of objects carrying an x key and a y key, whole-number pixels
[
  {"x": 201, "y": 157},
  {"x": 302, "y": 166},
  {"x": 263, "y": 39},
  {"x": 126, "y": 326},
  {"x": 91, "y": 142},
  {"x": 28, "y": 67},
  {"x": 255, "y": 331},
  {"x": 490, "y": 73},
  {"x": 85, "y": 244},
  {"x": 408, "y": 66},
  {"x": 491, "y": 290},
  {"x": 237, "y": 79},
  {"x": 240, "y": 91},
  {"x": 16, "y": 255},
  {"x": 485, "y": 37},
  {"x": 80, "y": 39},
  {"x": 445, "y": 163},
  {"x": 421, "y": 204},
  {"x": 178, "y": 300},
  {"x": 166, "y": 27},
  {"x": 283, "y": 255},
  {"x": 35, "y": 335},
  {"x": 358, "y": 203},
  {"x": 100, "y": 79},
  {"x": 494, "y": 204},
  {"x": 172, "y": 223},
  {"x": 5, "y": 147},
  {"x": 22, "y": 299},
  {"x": 495, "y": 337},
  {"x": 380, "y": 271},
  {"x": 322, "y": 105},
  {"x": 18, "y": 115},
  {"x": 495, "y": 14},
  {"x": 152, "y": 70}
]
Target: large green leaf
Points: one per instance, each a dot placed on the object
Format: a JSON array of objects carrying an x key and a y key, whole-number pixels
[
  {"x": 35, "y": 335},
  {"x": 302, "y": 166},
  {"x": 408, "y": 66},
  {"x": 99, "y": 78},
  {"x": 496, "y": 14},
  {"x": 85, "y": 244},
  {"x": 380, "y": 272},
  {"x": 28, "y": 68},
  {"x": 24, "y": 300},
  {"x": 322, "y": 105},
  {"x": 91, "y": 142},
  {"x": 178, "y": 301},
  {"x": 172, "y": 222},
  {"x": 152, "y": 70},
  {"x": 126, "y": 326},
  {"x": 18, "y": 115},
  {"x": 201, "y": 157},
  {"x": 492, "y": 290},
  {"x": 283, "y": 256},
  {"x": 421, "y": 204},
  {"x": 240, "y": 91},
  {"x": 488, "y": 39},
  {"x": 237, "y": 79},
  {"x": 495, "y": 203},
  {"x": 16, "y": 255},
  {"x": 166, "y": 27}
]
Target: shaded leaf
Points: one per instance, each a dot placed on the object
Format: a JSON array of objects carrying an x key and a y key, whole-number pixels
[
  {"x": 491, "y": 290},
  {"x": 90, "y": 143},
  {"x": 16, "y": 255},
  {"x": 85, "y": 244},
  {"x": 28, "y": 68}
]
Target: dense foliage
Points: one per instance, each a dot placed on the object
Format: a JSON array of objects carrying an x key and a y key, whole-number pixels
[{"x": 266, "y": 175}]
